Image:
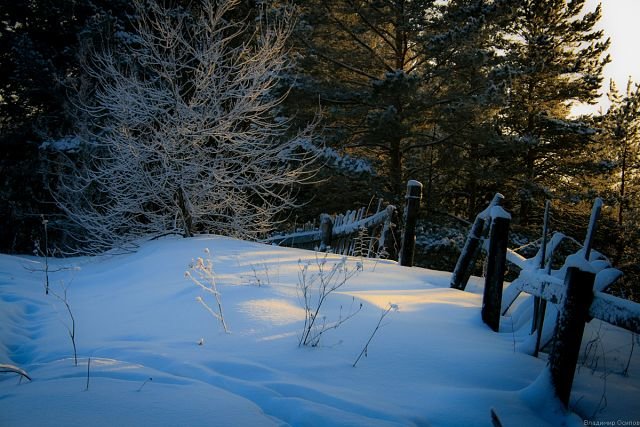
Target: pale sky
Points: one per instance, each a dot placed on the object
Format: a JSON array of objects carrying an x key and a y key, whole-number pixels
[{"x": 620, "y": 23}]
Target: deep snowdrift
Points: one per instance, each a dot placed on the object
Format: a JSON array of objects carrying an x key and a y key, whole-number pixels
[{"x": 157, "y": 357}]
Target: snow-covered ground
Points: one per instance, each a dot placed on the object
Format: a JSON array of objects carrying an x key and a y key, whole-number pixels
[{"x": 158, "y": 358}]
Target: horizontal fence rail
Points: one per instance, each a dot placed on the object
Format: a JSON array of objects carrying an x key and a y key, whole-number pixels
[
  {"x": 338, "y": 232},
  {"x": 608, "y": 308},
  {"x": 356, "y": 235}
]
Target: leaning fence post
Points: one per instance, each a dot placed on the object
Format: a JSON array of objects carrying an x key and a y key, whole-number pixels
[
  {"x": 464, "y": 266},
  {"x": 569, "y": 330},
  {"x": 471, "y": 250},
  {"x": 326, "y": 230},
  {"x": 408, "y": 242},
  {"x": 496, "y": 261}
]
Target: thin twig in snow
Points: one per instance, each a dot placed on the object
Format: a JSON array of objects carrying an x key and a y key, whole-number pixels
[{"x": 365, "y": 349}]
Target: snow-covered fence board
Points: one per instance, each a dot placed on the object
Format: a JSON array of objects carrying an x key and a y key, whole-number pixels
[
  {"x": 616, "y": 311},
  {"x": 608, "y": 308}
]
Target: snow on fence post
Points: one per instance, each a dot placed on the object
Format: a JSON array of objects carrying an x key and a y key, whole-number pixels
[
  {"x": 569, "y": 329},
  {"x": 326, "y": 230},
  {"x": 466, "y": 261},
  {"x": 408, "y": 242},
  {"x": 496, "y": 261}
]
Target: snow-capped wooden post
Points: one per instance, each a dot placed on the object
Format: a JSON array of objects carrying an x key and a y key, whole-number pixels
[
  {"x": 326, "y": 230},
  {"x": 496, "y": 261},
  {"x": 567, "y": 338},
  {"x": 471, "y": 250},
  {"x": 408, "y": 242},
  {"x": 570, "y": 328}
]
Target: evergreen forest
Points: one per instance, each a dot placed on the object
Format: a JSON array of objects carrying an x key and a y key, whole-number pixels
[{"x": 242, "y": 117}]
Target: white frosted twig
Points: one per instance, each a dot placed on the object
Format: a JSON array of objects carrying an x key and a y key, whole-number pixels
[{"x": 205, "y": 271}]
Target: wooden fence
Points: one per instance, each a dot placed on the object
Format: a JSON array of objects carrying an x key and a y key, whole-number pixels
[
  {"x": 579, "y": 296},
  {"x": 355, "y": 234}
]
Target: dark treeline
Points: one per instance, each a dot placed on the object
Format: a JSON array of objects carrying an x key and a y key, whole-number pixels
[{"x": 470, "y": 97}]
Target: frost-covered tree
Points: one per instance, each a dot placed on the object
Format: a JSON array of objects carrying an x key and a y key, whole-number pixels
[{"x": 181, "y": 135}]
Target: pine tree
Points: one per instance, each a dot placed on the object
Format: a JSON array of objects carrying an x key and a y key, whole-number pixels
[
  {"x": 554, "y": 58},
  {"x": 39, "y": 42},
  {"x": 622, "y": 133},
  {"x": 619, "y": 143},
  {"x": 386, "y": 74},
  {"x": 474, "y": 92}
]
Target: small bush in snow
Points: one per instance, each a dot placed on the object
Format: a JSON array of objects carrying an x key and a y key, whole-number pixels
[
  {"x": 314, "y": 288},
  {"x": 259, "y": 278},
  {"x": 206, "y": 280}
]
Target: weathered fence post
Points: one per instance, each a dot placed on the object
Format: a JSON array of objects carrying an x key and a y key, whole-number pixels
[
  {"x": 326, "y": 230},
  {"x": 569, "y": 330},
  {"x": 496, "y": 261},
  {"x": 471, "y": 250},
  {"x": 408, "y": 242}
]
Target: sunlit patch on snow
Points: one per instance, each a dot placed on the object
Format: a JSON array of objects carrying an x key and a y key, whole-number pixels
[
  {"x": 412, "y": 300},
  {"x": 275, "y": 311},
  {"x": 278, "y": 336},
  {"x": 113, "y": 365}
]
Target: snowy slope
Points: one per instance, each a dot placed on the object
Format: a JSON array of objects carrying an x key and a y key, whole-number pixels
[{"x": 433, "y": 363}]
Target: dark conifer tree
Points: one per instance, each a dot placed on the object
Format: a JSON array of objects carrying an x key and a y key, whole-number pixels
[
  {"x": 39, "y": 43},
  {"x": 387, "y": 75},
  {"x": 554, "y": 59},
  {"x": 619, "y": 154}
]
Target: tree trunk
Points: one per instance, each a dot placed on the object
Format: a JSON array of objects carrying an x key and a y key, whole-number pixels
[{"x": 187, "y": 220}]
